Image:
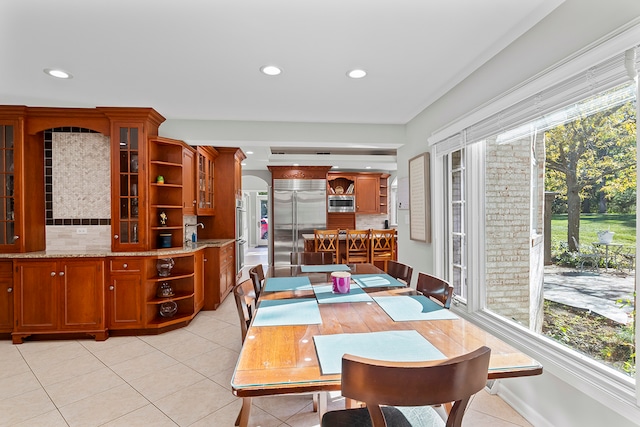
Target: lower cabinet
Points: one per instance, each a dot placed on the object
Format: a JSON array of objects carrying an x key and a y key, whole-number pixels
[
  {"x": 175, "y": 275},
  {"x": 59, "y": 295},
  {"x": 124, "y": 293},
  {"x": 220, "y": 274},
  {"x": 6, "y": 297}
]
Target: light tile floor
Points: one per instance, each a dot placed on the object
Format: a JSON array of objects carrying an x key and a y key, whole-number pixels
[{"x": 177, "y": 378}]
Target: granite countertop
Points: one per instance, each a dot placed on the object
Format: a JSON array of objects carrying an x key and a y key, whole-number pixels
[{"x": 188, "y": 248}]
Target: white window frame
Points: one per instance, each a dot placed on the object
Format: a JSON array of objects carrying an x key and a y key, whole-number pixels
[{"x": 613, "y": 389}]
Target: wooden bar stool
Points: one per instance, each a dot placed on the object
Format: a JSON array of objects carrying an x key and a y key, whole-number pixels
[
  {"x": 383, "y": 246},
  {"x": 327, "y": 241}
]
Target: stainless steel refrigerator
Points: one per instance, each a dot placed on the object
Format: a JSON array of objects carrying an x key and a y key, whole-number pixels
[{"x": 298, "y": 207}]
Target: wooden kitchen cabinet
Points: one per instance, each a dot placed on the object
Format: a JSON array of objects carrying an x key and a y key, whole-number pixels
[
  {"x": 370, "y": 189},
  {"x": 165, "y": 191},
  {"x": 124, "y": 293},
  {"x": 367, "y": 194},
  {"x": 220, "y": 274},
  {"x": 58, "y": 296},
  {"x": 189, "y": 200},
  {"x": 6, "y": 297},
  {"x": 21, "y": 228},
  {"x": 182, "y": 281},
  {"x": 205, "y": 186},
  {"x": 130, "y": 130}
]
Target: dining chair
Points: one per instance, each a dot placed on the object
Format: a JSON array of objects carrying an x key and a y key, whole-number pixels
[
  {"x": 357, "y": 247},
  {"x": 434, "y": 287},
  {"x": 327, "y": 241},
  {"x": 311, "y": 258},
  {"x": 246, "y": 302},
  {"x": 256, "y": 273},
  {"x": 401, "y": 393},
  {"x": 383, "y": 246},
  {"x": 400, "y": 271}
]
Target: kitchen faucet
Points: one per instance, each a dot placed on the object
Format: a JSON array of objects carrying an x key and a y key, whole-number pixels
[{"x": 186, "y": 236}]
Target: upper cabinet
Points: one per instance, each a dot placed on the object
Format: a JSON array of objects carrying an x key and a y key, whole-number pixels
[
  {"x": 370, "y": 190},
  {"x": 165, "y": 192},
  {"x": 188, "y": 181},
  {"x": 21, "y": 215},
  {"x": 205, "y": 190},
  {"x": 131, "y": 129}
]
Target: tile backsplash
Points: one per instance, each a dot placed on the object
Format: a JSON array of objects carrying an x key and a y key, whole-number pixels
[
  {"x": 77, "y": 190},
  {"x": 81, "y": 175}
]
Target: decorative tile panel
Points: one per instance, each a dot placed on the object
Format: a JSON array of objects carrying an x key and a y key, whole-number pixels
[{"x": 80, "y": 172}]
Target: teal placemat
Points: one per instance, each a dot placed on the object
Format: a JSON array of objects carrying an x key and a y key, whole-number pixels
[
  {"x": 325, "y": 295},
  {"x": 274, "y": 284},
  {"x": 295, "y": 311},
  {"x": 399, "y": 346},
  {"x": 413, "y": 307},
  {"x": 376, "y": 280},
  {"x": 324, "y": 268}
]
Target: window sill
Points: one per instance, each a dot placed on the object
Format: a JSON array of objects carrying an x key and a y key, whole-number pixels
[{"x": 597, "y": 381}]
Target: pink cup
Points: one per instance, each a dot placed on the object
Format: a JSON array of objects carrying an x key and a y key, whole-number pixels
[{"x": 341, "y": 282}]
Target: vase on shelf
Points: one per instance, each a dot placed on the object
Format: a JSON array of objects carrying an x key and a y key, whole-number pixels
[{"x": 164, "y": 266}]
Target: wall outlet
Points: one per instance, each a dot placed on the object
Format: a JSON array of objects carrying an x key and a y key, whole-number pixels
[{"x": 81, "y": 230}]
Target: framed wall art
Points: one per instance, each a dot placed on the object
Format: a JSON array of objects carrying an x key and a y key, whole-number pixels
[{"x": 419, "y": 199}]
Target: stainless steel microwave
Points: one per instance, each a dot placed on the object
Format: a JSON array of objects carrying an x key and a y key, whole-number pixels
[{"x": 341, "y": 203}]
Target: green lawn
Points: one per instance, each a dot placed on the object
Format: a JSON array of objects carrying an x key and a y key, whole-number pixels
[{"x": 624, "y": 227}]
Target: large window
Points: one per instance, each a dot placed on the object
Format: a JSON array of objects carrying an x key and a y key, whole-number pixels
[{"x": 526, "y": 195}]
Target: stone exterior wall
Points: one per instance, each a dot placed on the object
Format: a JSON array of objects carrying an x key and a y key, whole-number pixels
[{"x": 509, "y": 243}]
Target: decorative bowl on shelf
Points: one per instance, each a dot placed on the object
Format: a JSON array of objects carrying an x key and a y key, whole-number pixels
[
  {"x": 164, "y": 266},
  {"x": 339, "y": 190},
  {"x": 164, "y": 290},
  {"x": 168, "y": 309}
]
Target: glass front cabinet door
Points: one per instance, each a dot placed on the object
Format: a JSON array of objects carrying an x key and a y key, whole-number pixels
[
  {"x": 8, "y": 231},
  {"x": 128, "y": 213}
]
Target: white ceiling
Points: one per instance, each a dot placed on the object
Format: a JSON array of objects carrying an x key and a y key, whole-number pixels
[{"x": 200, "y": 59}]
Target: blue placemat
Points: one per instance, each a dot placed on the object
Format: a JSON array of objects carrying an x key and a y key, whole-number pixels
[
  {"x": 376, "y": 280},
  {"x": 287, "y": 284},
  {"x": 325, "y": 295},
  {"x": 324, "y": 268},
  {"x": 399, "y": 346},
  {"x": 295, "y": 311},
  {"x": 413, "y": 307}
]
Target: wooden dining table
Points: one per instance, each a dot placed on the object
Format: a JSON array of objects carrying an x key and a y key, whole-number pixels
[{"x": 283, "y": 359}]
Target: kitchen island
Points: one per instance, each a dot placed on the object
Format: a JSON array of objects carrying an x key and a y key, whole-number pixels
[{"x": 60, "y": 293}]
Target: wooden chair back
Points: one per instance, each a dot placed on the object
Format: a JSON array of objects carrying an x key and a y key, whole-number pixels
[
  {"x": 246, "y": 302},
  {"x": 434, "y": 287},
  {"x": 383, "y": 246},
  {"x": 357, "y": 246},
  {"x": 400, "y": 271},
  {"x": 327, "y": 241},
  {"x": 256, "y": 273},
  {"x": 311, "y": 258},
  {"x": 377, "y": 383}
]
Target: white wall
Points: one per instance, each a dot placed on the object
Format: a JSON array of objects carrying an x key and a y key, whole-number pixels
[{"x": 545, "y": 400}]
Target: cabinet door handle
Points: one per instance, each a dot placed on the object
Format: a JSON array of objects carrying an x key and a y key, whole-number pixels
[
  {"x": 115, "y": 237},
  {"x": 53, "y": 273},
  {"x": 125, "y": 265},
  {"x": 111, "y": 287},
  {"x": 61, "y": 273},
  {"x": 9, "y": 290}
]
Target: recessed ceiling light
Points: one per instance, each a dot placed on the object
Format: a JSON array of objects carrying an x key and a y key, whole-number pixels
[
  {"x": 357, "y": 74},
  {"x": 249, "y": 152},
  {"x": 271, "y": 70},
  {"x": 60, "y": 74},
  {"x": 367, "y": 167},
  {"x": 296, "y": 164},
  {"x": 335, "y": 167},
  {"x": 243, "y": 164}
]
